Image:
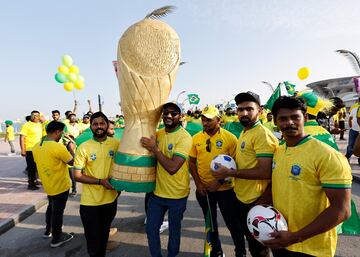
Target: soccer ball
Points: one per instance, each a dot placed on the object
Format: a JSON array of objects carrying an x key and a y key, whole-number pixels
[
  {"x": 265, "y": 219},
  {"x": 224, "y": 160}
]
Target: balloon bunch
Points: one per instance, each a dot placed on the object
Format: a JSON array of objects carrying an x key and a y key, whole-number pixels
[{"x": 68, "y": 75}]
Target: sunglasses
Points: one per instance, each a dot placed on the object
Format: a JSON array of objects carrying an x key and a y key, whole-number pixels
[
  {"x": 208, "y": 145},
  {"x": 173, "y": 113}
]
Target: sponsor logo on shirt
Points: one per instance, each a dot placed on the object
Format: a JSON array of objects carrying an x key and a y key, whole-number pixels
[
  {"x": 111, "y": 153},
  {"x": 93, "y": 157},
  {"x": 219, "y": 143}
]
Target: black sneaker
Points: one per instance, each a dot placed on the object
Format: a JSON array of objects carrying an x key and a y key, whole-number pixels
[
  {"x": 33, "y": 187},
  {"x": 46, "y": 235},
  {"x": 65, "y": 237}
]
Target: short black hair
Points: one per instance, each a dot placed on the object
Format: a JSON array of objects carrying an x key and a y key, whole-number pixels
[
  {"x": 288, "y": 102},
  {"x": 34, "y": 112},
  {"x": 55, "y": 111},
  {"x": 111, "y": 122},
  {"x": 54, "y": 126},
  {"x": 98, "y": 115},
  {"x": 71, "y": 114},
  {"x": 28, "y": 118},
  {"x": 67, "y": 113}
]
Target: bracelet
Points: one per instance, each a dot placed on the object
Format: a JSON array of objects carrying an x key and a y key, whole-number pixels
[{"x": 99, "y": 182}]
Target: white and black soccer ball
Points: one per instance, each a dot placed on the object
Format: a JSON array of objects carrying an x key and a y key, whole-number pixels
[
  {"x": 265, "y": 219},
  {"x": 224, "y": 160}
]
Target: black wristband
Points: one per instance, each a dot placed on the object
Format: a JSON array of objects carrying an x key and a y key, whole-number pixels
[{"x": 99, "y": 182}]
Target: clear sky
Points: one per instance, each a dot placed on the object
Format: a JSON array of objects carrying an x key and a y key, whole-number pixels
[{"x": 230, "y": 46}]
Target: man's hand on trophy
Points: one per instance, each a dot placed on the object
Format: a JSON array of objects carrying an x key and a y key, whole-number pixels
[{"x": 149, "y": 143}]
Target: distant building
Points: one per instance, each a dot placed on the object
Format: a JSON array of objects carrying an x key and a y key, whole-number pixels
[{"x": 340, "y": 87}]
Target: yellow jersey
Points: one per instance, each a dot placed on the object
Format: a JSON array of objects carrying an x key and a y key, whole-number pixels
[
  {"x": 270, "y": 125},
  {"x": 73, "y": 129},
  {"x": 51, "y": 160},
  {"x": 33, "y": 133},
  {"x": 95, "y": 159},
  {"x": 223, "y": 142},
  {"x": 255, "y": 142},
  {"x": 10, "y": 136},
  {"x": 228, "y": 118},
  {"x": 177, "y": 142},
  {"x": 340, "y": 115},
  {"x": 299, "y": 175}
]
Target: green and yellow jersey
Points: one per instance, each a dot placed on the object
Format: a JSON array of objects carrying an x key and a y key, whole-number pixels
[
  {"x": 302, "y": 172},
  {"x": 223, "y": 142},
  {"x": 95, "y": 159},
  {"x": 177, "y": 142},
  {"x": 312, "y": 128},
  {"x": 51, "y": 160},
  {"x": 255, "y": 142}
]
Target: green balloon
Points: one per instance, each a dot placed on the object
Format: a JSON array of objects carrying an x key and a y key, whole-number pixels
[{"x": 61, "y": 78}]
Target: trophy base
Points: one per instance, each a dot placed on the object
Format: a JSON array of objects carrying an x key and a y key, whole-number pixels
[{"x": 133, "y": 187}]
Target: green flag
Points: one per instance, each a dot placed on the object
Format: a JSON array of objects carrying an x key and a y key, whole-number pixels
[
  {"x": 269, "y": 104},
  {"x": 194, "y": 98},
  {"x": 290, "y": 88}
]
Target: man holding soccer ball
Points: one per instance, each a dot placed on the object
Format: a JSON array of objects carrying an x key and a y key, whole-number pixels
[
  {"x": 208, "y": 144},
  {"x": 255, "y": 148},
  {"x": 311, "y": 187}
]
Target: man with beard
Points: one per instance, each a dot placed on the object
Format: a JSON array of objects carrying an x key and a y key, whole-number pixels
[
  {"x": 171, "y": 149},
  {"x": 92, "y": 166},
  {"x": 255, "y": 149},
  {"x": 312, "y": 191},
  {"x": 207, "y": 144}
]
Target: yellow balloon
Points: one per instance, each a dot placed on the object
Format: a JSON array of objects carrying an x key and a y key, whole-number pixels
[
  {"x": 74, "y": 69},
  {"x": 68, "y": 86},
  {"x": 63, "y": 69},
  {"x": 67, "y": 60},
  {"x": 303, "y": 73},
  {"x": 81, "y": 78},
  {"x": 72, "y": 77},
  {"x": 79, "y": 85}
]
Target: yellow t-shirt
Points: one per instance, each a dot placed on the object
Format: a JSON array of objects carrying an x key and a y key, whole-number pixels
[
  {"x": 196, "y": 120},
  {"x": 82, "y": 127},
  {"x": 95, "y": 159},
  {"x": 51, "y": 160},
  {"x": 253, "y": 143},
  {"x": 44, "y": 126},
  {"x": 299, "y": 175},
  {"x": 340, "y": 115},
  {"x": 179, "y": 143},
  {"x": 225, "y": 119},
  {"x": 270, "y": 125},
  {"x": 10, "y": 136},
  {"x": 222, "y": 142},
  {"x": 355, "y": 105},
  {"x": 33, "y": 134}
]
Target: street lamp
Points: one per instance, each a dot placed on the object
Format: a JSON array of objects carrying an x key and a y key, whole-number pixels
[
  {"x": 269, "y": 85},
  {"x": 177, "y": 98}
]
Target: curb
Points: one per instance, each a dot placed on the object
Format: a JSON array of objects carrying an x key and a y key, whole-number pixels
[{"x": 23, "y": 214}]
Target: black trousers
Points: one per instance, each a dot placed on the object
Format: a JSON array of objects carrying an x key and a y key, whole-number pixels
[
  {"x": 97, "y": 221},
  {"x": 73, "y": 181},
  {"x": 256, "y": 248},
  {"x": 55, "y": 212},
  {"x": 31, "y": 167},
  {"x": 225, "y": 200},
  {"x": 286, "y": 253}
]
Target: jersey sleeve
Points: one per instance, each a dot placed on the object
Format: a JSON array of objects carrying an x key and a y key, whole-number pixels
[
  {"x": 334, "y": 170},
  {"x": 232, "y": 141},
  {"x": 266, "y": 144},
  {"x": 64, "y": 154},
  {"x": 183, "y": 146},
  {"x": 80, "y": 158}
]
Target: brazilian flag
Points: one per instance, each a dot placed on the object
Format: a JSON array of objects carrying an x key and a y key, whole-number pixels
[
  {"x": 290, "y": 88},
  {"x": 193, "y": 98},
  {"x": 208, "y": 229}
]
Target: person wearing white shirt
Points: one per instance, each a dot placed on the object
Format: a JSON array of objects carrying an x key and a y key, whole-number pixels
[{"x": 353, "y": 133}]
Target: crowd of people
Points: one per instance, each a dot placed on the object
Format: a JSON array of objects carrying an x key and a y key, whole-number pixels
[{"x": 276, "y": 164}]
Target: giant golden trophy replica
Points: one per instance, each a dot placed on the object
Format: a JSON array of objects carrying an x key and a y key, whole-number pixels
[{"x": 148, "y": 59}]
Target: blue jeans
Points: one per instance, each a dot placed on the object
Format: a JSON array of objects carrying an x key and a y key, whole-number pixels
[
  {"x": 352, "y": 138},
  {"x": 157, "y": 207}
]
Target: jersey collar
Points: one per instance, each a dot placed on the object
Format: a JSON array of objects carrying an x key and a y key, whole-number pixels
[
  {"x": 302, "y": 141},
  {"x": 311, "y": 123}
]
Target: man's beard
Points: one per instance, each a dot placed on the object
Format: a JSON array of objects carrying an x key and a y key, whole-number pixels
[
  {"x": 245, "y": 121},
  {"x": 172, "y": 125},
  {"x": 96, "y": 135}
]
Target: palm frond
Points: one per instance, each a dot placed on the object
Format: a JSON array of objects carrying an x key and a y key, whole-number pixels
[
  {"x": 161, "y": 12},
  {"x": 352, "y": 57}
]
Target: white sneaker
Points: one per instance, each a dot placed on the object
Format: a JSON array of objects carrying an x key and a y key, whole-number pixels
[
  {"x": 11, "y": 154},
  {"x": 164, "y": 226}
]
